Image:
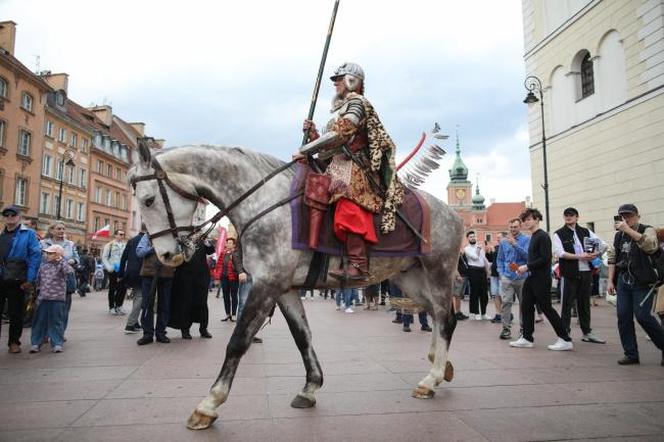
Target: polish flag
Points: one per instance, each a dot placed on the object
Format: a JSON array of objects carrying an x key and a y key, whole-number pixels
[{"x": 103, "y": 232}]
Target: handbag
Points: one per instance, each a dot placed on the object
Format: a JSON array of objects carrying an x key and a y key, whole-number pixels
[
  {"x": 15, "y": 270},
  {"x": 658, "y": 304}
]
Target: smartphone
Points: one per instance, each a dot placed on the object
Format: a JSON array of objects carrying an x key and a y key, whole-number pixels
[{"x": 617, "y": 218}]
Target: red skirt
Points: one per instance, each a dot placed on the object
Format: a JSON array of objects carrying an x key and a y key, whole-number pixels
[{"x": 351, "y": 218}]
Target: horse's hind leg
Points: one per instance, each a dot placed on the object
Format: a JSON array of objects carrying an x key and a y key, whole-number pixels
[
  {"x": 293, "y": 310},
  {"x": 253, "y": 316}
]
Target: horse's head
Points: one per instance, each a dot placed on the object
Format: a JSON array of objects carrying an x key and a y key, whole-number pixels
[{"x": 167, "y": 202}]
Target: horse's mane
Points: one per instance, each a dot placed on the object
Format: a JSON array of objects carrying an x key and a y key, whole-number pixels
[{"x": 261, "y": 161}]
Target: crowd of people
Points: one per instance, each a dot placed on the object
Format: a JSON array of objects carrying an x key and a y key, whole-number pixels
[{"x": 519, "y": 268}]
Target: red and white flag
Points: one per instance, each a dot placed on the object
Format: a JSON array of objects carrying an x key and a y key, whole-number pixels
[{"x": 104, "y": 232}]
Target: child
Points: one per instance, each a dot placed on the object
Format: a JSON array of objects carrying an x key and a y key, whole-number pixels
[{"x": 50, "y": 315}]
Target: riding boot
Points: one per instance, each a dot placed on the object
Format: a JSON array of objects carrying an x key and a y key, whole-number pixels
[
  {"x": 358, "y": 262},
  {"x": 315, "y": 223}
]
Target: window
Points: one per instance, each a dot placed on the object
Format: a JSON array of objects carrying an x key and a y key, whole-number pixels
[
  {"x": 107, "y": 221},
  {"x": 109, "y": 198},
  {"x": 109, "y": 171},
  {"x": 62, "y": 135},
  {"x": 84, "y": 145},
  {"x": 587, "y": 77},
  {"x": 133, "y": 220},
  {"x": 117, "y": 200},
  {"x": 2, "y": 133},
  {"x": 47, "y": 165},
  {"x": 98, "y": 195},
  {"x": 44, "y": 203},
  {"x": 115, "y": 226},
  {"x": 69, "y": 209},
  {"x": 73, "y": 141},
  {"x": 59, "y": 169},
  {"x": 3, "y": 88},
  {"x": 100, "y": 167},
  {"x": 488, "y": 237},
  {"x": 56, "y": 204},
  {"x": 24, "y": 141},
  {"x": 80, "y": 212},
  {"x": 118, "y": 174},
  {"x": 83, "y": 178},
  {"x": 98, "y": 139},
  {"x": 97, "y": 226},
  {"x": 21, "y": 193},
  {"x": 48, "y": 130},
  {"x": 124, "y": 202},
  {"x": 26, "y": 101},
  {"x": 71, "y": 175}
]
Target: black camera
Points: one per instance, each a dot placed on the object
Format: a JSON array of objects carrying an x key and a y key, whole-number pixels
[{"x": 617, "y": 218}]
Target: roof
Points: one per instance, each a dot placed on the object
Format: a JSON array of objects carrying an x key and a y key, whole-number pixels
[
  {"x": 501, "y": 213},
  {"x": 13, "y": 62}
]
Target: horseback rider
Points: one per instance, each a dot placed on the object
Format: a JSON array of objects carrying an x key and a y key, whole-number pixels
[{"x": 359, "y": 146}]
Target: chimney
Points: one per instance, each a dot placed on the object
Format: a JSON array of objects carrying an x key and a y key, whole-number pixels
[
  {"x": 139, "y": 127},
  {"x": 8, "y": 36},
  {"x": 104, "y": 113},
  {"x": 57, "y": 81},
  {"x": 160, "y": 142}
]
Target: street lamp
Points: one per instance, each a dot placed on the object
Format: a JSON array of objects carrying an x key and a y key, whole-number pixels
[
  {"x": 534, "y": 87},
  {"x": 67, "y": 160}
]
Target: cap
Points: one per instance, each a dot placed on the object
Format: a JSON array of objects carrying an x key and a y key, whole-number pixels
[
  {"x": 54, "y": 248},
  {"x": 9, "y": 209},
  {"x": 628, "y": 208},
  {"x": 571, "y": 211}
]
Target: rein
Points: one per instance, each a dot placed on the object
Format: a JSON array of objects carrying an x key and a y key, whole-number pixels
[{"x": 162, "y": 179}]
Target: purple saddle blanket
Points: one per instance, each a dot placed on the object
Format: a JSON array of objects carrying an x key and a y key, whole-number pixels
[{"x": 401, "y": 242}]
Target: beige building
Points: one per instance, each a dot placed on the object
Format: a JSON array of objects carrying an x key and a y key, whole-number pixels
[
  {"x": 22, "y": 99},
  {"x": 601, "y": 64}
]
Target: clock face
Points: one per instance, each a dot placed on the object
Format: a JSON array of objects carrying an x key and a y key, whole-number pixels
[{"x": 460, "y": 193}]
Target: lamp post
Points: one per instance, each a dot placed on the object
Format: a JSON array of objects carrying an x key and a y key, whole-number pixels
[
  {"x": 534, "y": 85},
  {"x": 67, "y": 160}
]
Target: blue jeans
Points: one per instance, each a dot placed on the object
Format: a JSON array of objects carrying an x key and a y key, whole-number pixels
[
  {"x": 164, "y": 286},
  {"x": 49, "y": 320},
  {"x": 409, "y": 319},
  {"x": 243, "y": 294},
  {"x": 349, "y": 295},
  {"x": 628, "y": 306}
]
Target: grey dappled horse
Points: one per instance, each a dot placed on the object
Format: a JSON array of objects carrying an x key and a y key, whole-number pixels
[{"x": 220, "y": 175}]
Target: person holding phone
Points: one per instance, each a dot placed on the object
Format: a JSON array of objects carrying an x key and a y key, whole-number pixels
[{"x": 631, "y": 276}]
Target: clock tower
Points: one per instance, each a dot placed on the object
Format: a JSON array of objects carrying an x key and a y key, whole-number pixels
[{"x": 459, "y": 189}]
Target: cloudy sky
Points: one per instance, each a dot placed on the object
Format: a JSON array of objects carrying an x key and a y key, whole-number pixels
[{"x": 241, "y": 73}]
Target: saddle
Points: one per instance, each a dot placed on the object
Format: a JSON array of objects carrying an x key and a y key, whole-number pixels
[{"x": 401, "y": 242}]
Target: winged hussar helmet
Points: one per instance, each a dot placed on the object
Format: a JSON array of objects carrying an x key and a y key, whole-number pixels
[{"x": 352, "y": 74}]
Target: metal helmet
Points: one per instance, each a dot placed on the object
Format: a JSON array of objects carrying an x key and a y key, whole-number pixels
[{"x": 348, "y": 68}]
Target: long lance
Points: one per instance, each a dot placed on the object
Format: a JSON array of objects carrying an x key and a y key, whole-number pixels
[{"x": 321, "y": 68}]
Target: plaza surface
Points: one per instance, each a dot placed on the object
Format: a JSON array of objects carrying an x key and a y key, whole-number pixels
[{"x": 106, "y": 388}]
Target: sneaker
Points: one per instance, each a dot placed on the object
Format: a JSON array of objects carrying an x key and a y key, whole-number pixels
[
  {"x": 522, "y": 343},
  {"x": 506, "y": 333},
  {"x": 58, "y": 349},
  {"x": 112, "y": 311},
  {"x": 338, "y": 308},
  {"x": 205, "y": 334},
  {"x": 34, "y": 349},
  {"x": 497, "y": 319},
  {"x": 589, "y": 337},
  {"x": 163, "y": 339},
  {"x": 397, "y": 321},
  {"x": 485, "y": 317},
  {"x": 426, "y": 328},
  {"x": 561, "y": 345},
  {"x": 349, "y": 310},
  {"x": 406, "y": 328},
  {"x": 461, "y": 317},
  {"x": 629, "y": 361},
  {"x": 478, "y": 317},
  {"x": 130, "y": 330},
  {"x": 119, "y": 311},
  {"x": 14, "y": 348},
  {"x": 144, "y": 340}
]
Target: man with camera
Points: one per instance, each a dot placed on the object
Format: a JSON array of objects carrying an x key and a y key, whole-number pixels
[
  {"x": 20, "y": 256},
  {"x": 576, "y": 247},
  {"x": 633, "y": 277}
]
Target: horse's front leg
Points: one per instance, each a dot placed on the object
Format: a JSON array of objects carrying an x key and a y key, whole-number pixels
[
  {"x": 293, "y": 310},
  {"x": 252, "y": 318}
]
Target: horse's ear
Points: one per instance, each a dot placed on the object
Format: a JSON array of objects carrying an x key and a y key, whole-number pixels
[{"x": 144, "y": 151}]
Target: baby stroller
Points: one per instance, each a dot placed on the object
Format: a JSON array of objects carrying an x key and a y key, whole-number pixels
[{"x": 99, "y": 277}]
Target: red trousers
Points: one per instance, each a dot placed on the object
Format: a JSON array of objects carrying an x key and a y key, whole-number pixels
[{"x": 351, "y": 218}]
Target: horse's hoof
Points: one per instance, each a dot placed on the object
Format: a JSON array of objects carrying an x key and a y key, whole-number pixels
[
  {"x": 421, "y": 392},
  {"x": 449, "y": 372},
  {"x": 303, "y": 402},
  {"x": 200, "y": 421}
]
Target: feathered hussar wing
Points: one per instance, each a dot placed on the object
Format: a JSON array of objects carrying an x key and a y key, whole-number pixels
[{"x": 420, "y": 165}]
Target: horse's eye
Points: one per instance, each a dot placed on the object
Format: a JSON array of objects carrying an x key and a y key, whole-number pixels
[{"x": 149, "y": 201}]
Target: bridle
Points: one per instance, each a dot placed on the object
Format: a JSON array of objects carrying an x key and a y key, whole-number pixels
[{"x": 162, "y": 179}]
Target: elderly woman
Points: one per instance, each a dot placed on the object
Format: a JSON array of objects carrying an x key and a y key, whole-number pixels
[{"x": 56, "y": 236}]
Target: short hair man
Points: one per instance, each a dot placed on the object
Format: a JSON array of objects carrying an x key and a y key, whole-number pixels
[
  {"x": 630, "y": 269},
  {"x": 576, "y": 247},
  {"x": 20, "y": 257},
  {"x": 537, "y": 287},
  {"x": 512, "y": 253},
  {"x": 478, "y": 270}
]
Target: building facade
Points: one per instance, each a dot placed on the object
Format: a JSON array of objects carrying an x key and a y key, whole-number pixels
[
  {"x": 22, "y": 107},
  {"x": 601, "y": 64},
  {"x": 487, "y": 222}
]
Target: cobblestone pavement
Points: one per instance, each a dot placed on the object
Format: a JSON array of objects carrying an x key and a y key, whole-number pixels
[{"x": 106, "y": 388}]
